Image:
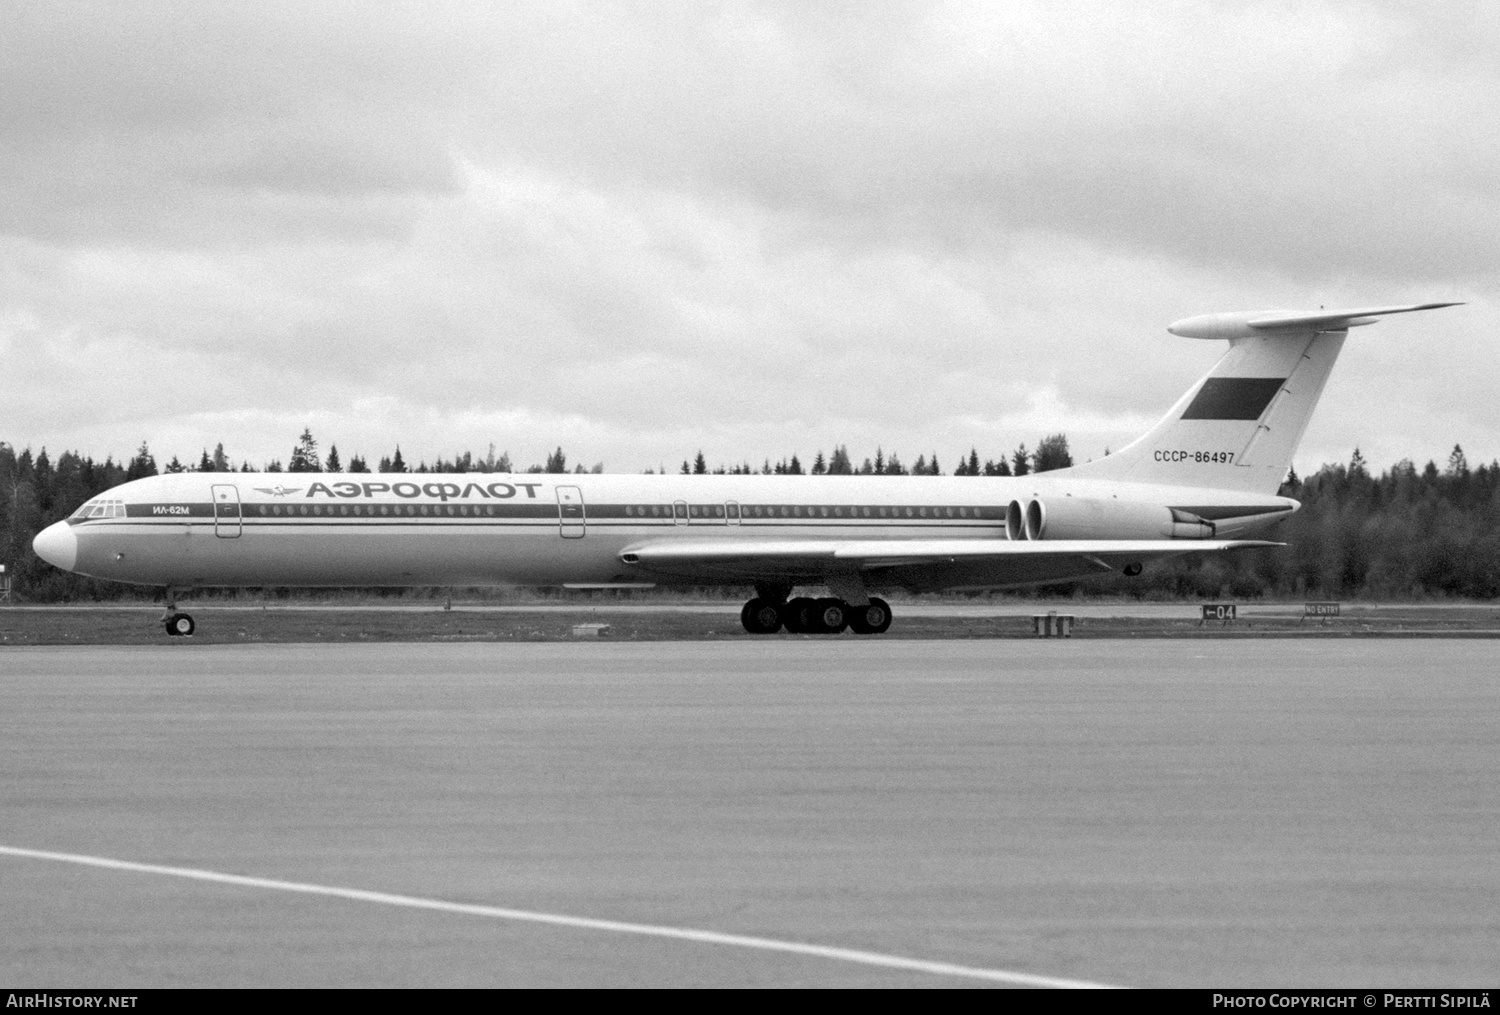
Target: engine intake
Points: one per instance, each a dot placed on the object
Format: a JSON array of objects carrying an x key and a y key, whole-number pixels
[
  {"x": 1015, "y": 521},
  {"x": 1101, "y": 518},
  {"x": 1036, "y": 520}
]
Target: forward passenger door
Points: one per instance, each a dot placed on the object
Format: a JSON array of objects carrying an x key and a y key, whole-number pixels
[{"x": 226, "y": 511}]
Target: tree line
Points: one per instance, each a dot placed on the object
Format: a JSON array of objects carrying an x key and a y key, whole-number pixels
[
  {"x": 305, "y": 457},
  {"x": 1405, "y": 533},
  {"x": 1051, "y": 453}
]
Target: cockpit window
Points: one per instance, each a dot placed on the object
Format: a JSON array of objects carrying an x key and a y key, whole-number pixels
[{"x": 101, "y": 508}]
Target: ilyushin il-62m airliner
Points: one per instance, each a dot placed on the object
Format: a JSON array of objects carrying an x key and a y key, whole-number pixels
[{"x": 1200, "y": 481}]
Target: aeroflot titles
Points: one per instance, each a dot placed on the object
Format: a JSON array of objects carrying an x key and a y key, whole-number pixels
[{"x": 442, "y": 491}]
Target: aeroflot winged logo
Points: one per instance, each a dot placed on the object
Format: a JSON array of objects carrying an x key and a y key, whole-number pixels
[{"x": 278, "y": 491}]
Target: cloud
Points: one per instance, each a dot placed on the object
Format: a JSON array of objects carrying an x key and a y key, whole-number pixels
[{"x": 751, "y": 228}]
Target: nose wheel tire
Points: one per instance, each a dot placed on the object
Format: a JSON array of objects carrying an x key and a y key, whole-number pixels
[
  {"x": 761, "y": 616},
  {"x": 180, "y": 625}
]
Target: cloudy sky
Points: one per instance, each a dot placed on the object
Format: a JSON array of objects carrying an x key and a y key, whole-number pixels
[{"x": 637, "y": 230}]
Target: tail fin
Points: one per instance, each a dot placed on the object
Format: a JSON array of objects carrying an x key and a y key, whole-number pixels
[{"x": 1238, "y": 427}]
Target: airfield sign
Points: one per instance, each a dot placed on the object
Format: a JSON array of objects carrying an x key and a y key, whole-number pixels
[{"x": 1222, "y": 612}]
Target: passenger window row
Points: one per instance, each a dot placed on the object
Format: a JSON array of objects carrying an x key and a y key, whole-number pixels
[
  {"x": 372, "y": 510},
  {"x": 769, "y": 511},
  {"x": 915, "y": 511},
  {"x": 716, "y": 512}
]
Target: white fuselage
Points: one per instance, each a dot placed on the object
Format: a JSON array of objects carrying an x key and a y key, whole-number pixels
[{"x": 193, "y": 530}]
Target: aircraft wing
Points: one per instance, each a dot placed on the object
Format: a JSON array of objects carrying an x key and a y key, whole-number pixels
[{"x": 910, "y": 563}]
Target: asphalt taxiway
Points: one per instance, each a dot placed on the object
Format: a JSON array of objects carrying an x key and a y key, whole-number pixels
[{"x": 1208, "y": 813}]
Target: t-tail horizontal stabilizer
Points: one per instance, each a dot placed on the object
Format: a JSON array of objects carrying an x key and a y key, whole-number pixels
[
  {"x": 1237, "y": 428},
  {"x": 1248, "y": 324}
]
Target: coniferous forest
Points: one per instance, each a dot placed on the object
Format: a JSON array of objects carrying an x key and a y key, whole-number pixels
[{"x": 1407, "y": 533}]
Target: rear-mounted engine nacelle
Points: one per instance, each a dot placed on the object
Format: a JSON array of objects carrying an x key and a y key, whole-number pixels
[{"x": 1100, "y": 518}]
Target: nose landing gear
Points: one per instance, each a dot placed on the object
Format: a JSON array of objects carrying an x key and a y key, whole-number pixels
[{"x": 178, "y": 625}]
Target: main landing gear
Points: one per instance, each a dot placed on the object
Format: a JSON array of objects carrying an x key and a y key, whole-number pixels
[
  {"x": 765, "y": 615},
  {"x": 178, "y": 625}
]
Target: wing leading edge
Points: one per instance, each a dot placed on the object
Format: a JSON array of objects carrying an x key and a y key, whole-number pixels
[{"x": 920, "y": 564}]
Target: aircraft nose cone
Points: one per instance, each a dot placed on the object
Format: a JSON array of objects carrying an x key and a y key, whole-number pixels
[{"x": 57, "y": 545}]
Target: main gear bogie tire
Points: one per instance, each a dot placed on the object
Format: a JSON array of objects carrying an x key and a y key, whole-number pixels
[
  {"x": 761, "y": 616},
  {"x": 872, "y": 618},
  {"x": 830, "y": 616},
  {"x": 797, "y": 615}
]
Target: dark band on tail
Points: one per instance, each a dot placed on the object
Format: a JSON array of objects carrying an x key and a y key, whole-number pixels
[{"x": 1233, "y": 397}]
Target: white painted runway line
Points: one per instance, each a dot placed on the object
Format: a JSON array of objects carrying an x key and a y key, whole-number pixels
[{"x": 579, "y": 922}]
